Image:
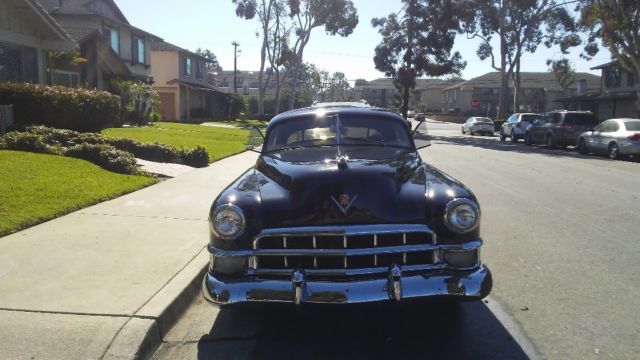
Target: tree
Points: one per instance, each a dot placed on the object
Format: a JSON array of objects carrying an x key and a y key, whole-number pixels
[
  {"x": 338, "y": 17},
  {"x": 418, "y": 41},
  {"x": 278, "y": 51},
  {"x": 616, "y": 23},
  {"x": 213, "y": 65},
  {"x": 563, "y": 72},
  {"x": 360, "y": 82},
  {"x": 338, "y": 87},
  {"x": 521, "y": 26},
  {"x": 264, "y": 10}
]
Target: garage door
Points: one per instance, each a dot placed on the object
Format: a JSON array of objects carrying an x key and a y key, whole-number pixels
[{"x": 168, "y": 106}]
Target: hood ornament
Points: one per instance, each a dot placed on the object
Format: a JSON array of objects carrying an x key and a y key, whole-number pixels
[
  {"x": 342, "y": 162},
  {"x": 344, "y": 202}
]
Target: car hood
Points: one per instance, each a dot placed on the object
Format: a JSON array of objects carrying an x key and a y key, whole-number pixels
[{"x": 378, "y": 185}]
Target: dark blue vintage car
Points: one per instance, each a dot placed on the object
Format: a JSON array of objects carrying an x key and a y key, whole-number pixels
[{"x": 340, "y": 208}]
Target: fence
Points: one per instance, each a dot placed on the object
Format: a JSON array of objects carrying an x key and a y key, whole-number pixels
[{"x": 6, "y": 118}]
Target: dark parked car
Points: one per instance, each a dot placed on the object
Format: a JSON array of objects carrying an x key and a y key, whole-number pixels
[
  {"x": 559, "y": 128},
  {"x": 340, "y": 208}
]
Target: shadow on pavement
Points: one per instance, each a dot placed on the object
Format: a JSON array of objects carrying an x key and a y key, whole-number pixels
[
  {"x": 424, "y": 330},
  {"x": 494, "y": 143}
]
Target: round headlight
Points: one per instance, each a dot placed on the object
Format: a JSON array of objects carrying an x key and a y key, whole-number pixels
[
  {"x": 462, "y": 215},
  {"x": 228, "y": 221}
]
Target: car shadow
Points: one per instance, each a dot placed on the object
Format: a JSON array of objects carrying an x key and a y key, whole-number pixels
[
  {"x": 494, "y": 143},
  {"x": 373, "y": 331}
]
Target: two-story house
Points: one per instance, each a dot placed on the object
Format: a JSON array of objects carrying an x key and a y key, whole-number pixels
[
  {"x": 181, "y": 82},
  {"x": 27, "y": 33},
  {"x": 114, "y": 48},
  {"x": 614, "y": 98}
]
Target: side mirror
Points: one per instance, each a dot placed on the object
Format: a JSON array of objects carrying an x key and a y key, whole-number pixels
[
  {"x": 421, "y": 137},
  {"x": 255, "y": 141}
]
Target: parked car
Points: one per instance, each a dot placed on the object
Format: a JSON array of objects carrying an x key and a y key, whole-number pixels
[
  {"x": 478, "y": 125},
  {"x": 340, "y": 208},
  {"x": 614, "y": 137},
  {"x": 559, "y": 128},
  {"x": 515, "y": 125}
]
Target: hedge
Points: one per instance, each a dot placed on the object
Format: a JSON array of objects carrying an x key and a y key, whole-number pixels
[
  {"x": 60, "y": 141},
  {"x": 61, "y": 107}
]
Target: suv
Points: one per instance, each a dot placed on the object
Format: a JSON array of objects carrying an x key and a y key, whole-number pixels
[
  {"x": 559, "y": 128},
  {"x": 515, "y": 126}
]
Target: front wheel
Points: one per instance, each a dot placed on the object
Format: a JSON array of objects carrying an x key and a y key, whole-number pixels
[
  {"x": 527, "y": 139},
  {"x": 462, "y": 129},
  {"x": 582, "y": 147},
  {"x": 502, "y": 137},
  {"x": 614, "y": 151},
  {"x": 514, "y": 139}
]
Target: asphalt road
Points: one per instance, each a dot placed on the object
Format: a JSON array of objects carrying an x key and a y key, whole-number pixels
[{"x": 561, "y": 237}]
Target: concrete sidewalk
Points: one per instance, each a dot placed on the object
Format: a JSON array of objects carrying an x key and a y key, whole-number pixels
[{"x": 102, "y": 282}]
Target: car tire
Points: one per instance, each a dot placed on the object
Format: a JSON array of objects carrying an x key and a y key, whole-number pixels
[
  {"x": 470, "y": 131},
  {"x": 527, "y": 139},
  {"x": 614, "y": 151},
  {"x": 549, "y": 141},
  {"x": 462, "y": 129},
  {"x": 514, "y": 138},
  {"x": 582, "y": 147},
  {"x": 502, "y": 137}
]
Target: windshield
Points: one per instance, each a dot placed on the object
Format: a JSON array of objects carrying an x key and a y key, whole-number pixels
[
  {"x": 530, "y": 118},
  {"x": 581, "y": 119},
  {"x": 632, "y": 125},
  {"x": 484, "y": 120},
  {"x": 353, "y": 129}
]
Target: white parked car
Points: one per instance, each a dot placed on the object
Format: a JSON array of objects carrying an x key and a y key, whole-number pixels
[
  {"x": 478, "y": 125},
  {"x": 614, "y": 137},
  {"x": 515, "y": 125}
]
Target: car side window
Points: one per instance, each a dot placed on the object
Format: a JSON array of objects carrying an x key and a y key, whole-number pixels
[
  {"x": 614, "y": 127},
  {"x": 556, "y": 119}
]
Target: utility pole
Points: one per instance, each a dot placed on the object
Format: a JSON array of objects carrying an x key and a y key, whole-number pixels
[{"x": 235, "y": 66}]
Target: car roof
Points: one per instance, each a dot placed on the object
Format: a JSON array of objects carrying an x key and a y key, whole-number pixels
[{"x": 334, "y": 109}]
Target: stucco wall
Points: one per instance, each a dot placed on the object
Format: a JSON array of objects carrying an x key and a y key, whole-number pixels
[{"x": 165, "y": 66}]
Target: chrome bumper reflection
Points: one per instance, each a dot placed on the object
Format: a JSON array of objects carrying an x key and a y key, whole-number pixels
[{"x": 474, "y": 284}]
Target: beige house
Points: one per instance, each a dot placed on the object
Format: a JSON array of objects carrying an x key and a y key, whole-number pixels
[
  {"x": 181, "y": 81},
  {"x": 27, "y": 33},
  {"x": 540, "y": 92},
  {"x": 426, "y": 96},
  {"x": 114, "y": 48}
]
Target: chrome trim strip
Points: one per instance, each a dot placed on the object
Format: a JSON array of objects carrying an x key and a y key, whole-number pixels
[
  {"x": 346, "y": 252},
  {"x": 347, "y": 272},
  {"x": 345, "y": 230}
]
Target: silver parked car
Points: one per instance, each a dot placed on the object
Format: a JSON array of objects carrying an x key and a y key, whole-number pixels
[
  {"x": 515, "y": 126},
  {"x": 478, "y": 125},
  {"x": 614, "y": 137}
]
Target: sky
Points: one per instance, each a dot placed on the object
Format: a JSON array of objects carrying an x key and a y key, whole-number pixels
[{"x": 212, "y": 24}]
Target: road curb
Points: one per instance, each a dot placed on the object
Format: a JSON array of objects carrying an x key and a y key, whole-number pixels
[{"x": 141, "y": 336}]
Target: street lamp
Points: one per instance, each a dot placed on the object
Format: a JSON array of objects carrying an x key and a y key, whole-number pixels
[{"x": 235, "y": 66}]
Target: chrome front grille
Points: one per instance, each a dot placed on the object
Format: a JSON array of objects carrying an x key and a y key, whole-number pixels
[{"x": 354, "y": 248}]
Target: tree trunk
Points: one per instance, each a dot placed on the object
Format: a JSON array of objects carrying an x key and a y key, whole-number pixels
[
  {"x": 516, "y": 87},
  {"x": 261, "y": 87},
  {"x": 294, "y": 87},
  {"x": 504, "y": 80}
]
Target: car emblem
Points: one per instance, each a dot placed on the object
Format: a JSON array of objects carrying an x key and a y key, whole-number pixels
[{"x": 344, "y": 202}]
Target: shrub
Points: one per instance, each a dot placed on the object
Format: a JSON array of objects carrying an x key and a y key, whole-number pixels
[
  {"x": 61, "y": 107},
  {"x": 152, "y": 152},
  {"x": 29, "y": 142},
  {"x": 105, "y": 156},
  {"x": 197, "y": 157}
]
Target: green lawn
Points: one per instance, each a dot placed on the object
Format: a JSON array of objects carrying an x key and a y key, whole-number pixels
[
  {"x": 38, "y": 187},
  {"x": 219, "y": 142}
]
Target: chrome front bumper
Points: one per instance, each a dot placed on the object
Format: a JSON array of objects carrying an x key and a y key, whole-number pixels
[{"x": 472, "y": 285}]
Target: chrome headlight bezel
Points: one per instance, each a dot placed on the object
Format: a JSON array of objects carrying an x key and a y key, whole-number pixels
[
  {"x": 240, "y": 214},
  {"x": 450, "y": 209}
]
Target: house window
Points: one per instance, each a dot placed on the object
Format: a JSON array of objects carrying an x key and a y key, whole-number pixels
[
  {"x": 200, "y": 70},
  {"x": 113, "y": 37},
  {"x": 186, "y": 67},
  {"x": 612, "y": 77},
  {"x": 138, "y": 50},
  {"x": 64, "y": 78},
  {"x": 19, "y": 64}
]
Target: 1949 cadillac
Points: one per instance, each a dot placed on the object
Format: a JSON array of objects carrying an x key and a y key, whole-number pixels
[{"x": 340, "y": 208}]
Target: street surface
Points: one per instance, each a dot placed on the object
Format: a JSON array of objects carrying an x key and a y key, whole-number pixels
[{"x": 561, "y": 238}]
